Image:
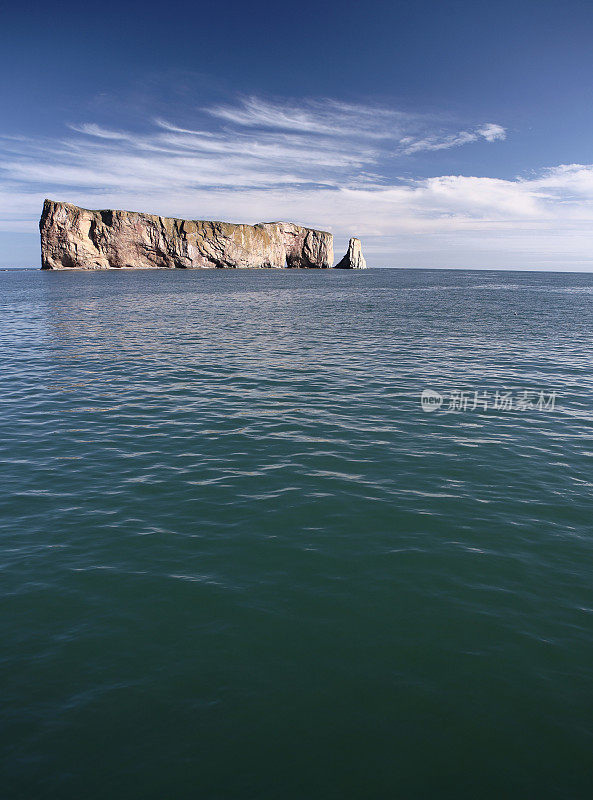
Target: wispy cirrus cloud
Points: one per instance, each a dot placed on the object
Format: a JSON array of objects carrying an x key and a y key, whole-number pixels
[
  {"x": 324, "y": 117},
  {"x": 405, "y": 132},
  {"x": 96, "y": 130},
  {"x": 489, "y": 132},
  {"x": 256, "y": 144}
]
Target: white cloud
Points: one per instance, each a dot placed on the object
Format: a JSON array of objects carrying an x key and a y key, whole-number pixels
[
  {"x": 259, "y": 145},
  {"x": 325, "y": 117},
  {"x": 95, "y": 130},
  {"x": 492, "y": 132},
  {"x": 347, "y": 120}
]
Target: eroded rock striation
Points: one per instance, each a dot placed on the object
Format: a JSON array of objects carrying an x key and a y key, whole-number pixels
[
  {"x": 354, "y": 258},
  {"x": 77, "y": 238}
]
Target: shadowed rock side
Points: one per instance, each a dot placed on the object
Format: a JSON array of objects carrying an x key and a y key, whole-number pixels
[
  {"x": 354, "y": 258},
  {"x": 76, "y": 238}
]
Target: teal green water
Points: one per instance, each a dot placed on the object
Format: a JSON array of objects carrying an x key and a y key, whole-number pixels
[{"x": 240, "y": 561}]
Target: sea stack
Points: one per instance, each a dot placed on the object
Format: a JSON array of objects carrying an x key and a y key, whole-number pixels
[
  {"x": 77, "y": 238},
  {"x": 354, "y": 258}
]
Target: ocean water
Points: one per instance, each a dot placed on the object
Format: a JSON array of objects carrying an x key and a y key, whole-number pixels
[{"x": 239, "y": 560}]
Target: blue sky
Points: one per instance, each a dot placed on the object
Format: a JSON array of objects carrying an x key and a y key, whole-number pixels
[{"x": 444, "y": 134}]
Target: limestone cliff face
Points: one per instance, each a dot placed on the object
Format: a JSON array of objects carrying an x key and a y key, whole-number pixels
[
  {"x": 76, "y": 238},
  {"x": 354, "y": 258}
]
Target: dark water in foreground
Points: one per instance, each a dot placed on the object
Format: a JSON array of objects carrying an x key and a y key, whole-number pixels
[{"x": 240, "y": 561}]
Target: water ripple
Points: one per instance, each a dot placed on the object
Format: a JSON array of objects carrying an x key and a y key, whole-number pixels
[{"x": 222, "y": 501}]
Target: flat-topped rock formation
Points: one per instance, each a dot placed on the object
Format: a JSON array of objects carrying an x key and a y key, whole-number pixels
[
  {"x": 354, "y": 258},
  {"x": 76, "y": 238}
]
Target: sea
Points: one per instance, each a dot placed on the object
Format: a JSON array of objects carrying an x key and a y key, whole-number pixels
[{"x": 296, "y": 535}]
